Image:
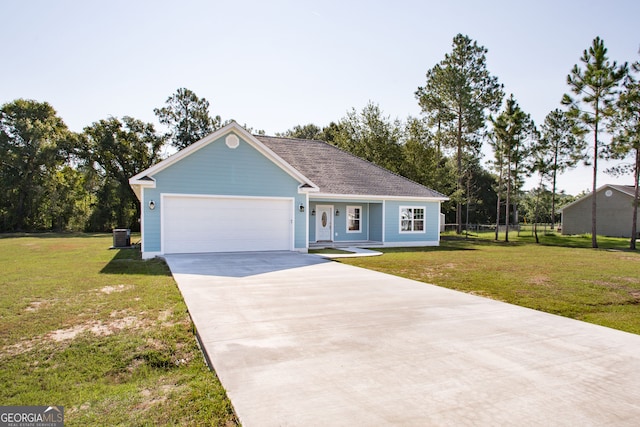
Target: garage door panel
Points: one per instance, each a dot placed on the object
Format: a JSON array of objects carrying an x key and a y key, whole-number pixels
[{"x": 203, "y": 224}]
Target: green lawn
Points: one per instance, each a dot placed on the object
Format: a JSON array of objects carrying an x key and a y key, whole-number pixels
[
  {"x": 108, "y": 335},
  {"x": 562, "y": 275},
  {"x": 102, "y": 333}
]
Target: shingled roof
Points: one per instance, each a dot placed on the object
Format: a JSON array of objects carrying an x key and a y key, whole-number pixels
[
  {"x": 629, "y": 190},
  {"x": 336, "y": 171}
]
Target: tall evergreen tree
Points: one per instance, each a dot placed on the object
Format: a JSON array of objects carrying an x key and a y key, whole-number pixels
[
  {"x": 559, "y": 150},
  {"x": 515, "y": 131},
  {"x": 626, "y": 140},
  {"x": 458, "y": 92},
  {"x": 187, "y": 117},
  {"x": 498, "y": 164},
  {"x": 595, "y": 87}
]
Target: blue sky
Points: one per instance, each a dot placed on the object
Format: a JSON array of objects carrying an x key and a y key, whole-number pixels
[{"x": 276, "y": 64}]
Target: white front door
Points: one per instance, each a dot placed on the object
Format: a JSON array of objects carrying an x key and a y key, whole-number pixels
[{"x": 324, "y": 223}]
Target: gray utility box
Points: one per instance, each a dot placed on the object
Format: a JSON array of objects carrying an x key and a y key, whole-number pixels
[{"x": 121, "y": 237}]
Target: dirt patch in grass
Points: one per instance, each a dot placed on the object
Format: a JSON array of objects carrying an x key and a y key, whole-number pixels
[
  {"x": 35, "y": 306},
  {"x": 156, "y": 396},
  {"x": 97, "y": 328},
  {"x": 620, "y": 286},
  {"x": 540, "y": 280},
  {"x": 111, "y": 289}
]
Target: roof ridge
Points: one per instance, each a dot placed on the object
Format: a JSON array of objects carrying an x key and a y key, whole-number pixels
[{"x": 290, "y": 138}]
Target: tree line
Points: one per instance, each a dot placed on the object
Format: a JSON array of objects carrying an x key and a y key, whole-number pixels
[{"x": 55, "y": 179}]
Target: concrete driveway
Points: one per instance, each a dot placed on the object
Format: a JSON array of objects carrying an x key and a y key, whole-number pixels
[{"x": 300, "y": 341}]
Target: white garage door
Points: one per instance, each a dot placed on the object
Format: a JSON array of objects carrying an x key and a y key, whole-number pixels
[{"x": 213, "y": 224}]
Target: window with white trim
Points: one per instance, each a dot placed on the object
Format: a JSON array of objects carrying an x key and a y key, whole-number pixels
[
  {"x": 354, "y": 219},
  {"x": 411, "y": 219}
]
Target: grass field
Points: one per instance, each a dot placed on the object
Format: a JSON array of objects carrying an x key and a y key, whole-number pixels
[
  {"x": 562, "y": 275},
  {"x": 108, "y": 336},
  {"x": 102, "y": 333}
]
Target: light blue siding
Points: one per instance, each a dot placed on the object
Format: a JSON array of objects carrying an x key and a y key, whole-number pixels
[
  {"x": 340, "y": 233},
  {"x": 215, "y": 169},
  {"x": 392, "y": 222},
  {"x": 375, "y": 222},
  {"x": 377, "y": 217}
]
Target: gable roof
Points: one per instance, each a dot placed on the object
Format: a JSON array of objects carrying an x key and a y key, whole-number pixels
[
  {"x": 628, "y": 190},
  {"x": 337, "y": 172},
  {"x": 319, "y": 167},
  {"x": 145, "y": 178}
]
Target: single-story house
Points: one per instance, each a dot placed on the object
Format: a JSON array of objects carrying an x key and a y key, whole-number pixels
[
  {"x": 614, "y": 212},
  {"x": 233, "y": 191}
]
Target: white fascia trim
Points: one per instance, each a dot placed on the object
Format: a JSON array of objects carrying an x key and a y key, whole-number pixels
[
  {"x": 142, "y": 210},
  {"x": 306, "y": 226},
  {"x": 232, "y": 127},
  {"x": 384, "y": 220},
  {"x": 139, "y": 184},
  {"x": 329, "y": 196}
]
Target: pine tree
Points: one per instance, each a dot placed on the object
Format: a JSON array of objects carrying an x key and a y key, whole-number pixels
[
  {"x": 596, "y": 86},
  {"x": 458, "y": 92}
]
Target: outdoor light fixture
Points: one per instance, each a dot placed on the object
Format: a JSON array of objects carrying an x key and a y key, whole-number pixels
[
  {"x": 337, "y": 212},
  {"x": 152, "y": 205},
  {"x": 301, "y": 207}
]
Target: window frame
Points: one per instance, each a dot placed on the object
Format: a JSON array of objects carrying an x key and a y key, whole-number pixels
[
  {"x": 359, "y": 219},
  {"x": 412, "y": 220}
]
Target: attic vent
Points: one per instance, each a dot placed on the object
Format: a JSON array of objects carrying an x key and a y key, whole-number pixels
[
  {"x": 232, "y": 141},
  {"x": 608, "y": 193}
]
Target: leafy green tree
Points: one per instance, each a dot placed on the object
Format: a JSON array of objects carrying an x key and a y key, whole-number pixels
[
  {"x": 537, "y": 207},
  {"x": 420, "y": 157},
  {"x": 458, "y": 93},
  {"x": 117, "y": 150},
  {"x": 423, "y": 162},
  {"x": 308, "y": 131},
  {"x": 371, "y": 136},
  {"x": 595, "y": 87},
  {"x": 479, "y": 197},
  {"x": 330, "y": 133},
  {"x": 33, "y": 145},
  {"x": 626, "y": 140},
  {"x": 559, "y": 150},
  {"x": 68, "y": 201},
  {"x": 187, "y": 117}
]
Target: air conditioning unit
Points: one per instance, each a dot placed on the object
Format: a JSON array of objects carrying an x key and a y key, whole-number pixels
[{"x": 121, "y": 238}]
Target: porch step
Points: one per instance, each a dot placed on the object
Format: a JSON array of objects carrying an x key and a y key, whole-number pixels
[{"x": 353, "y": 253}]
